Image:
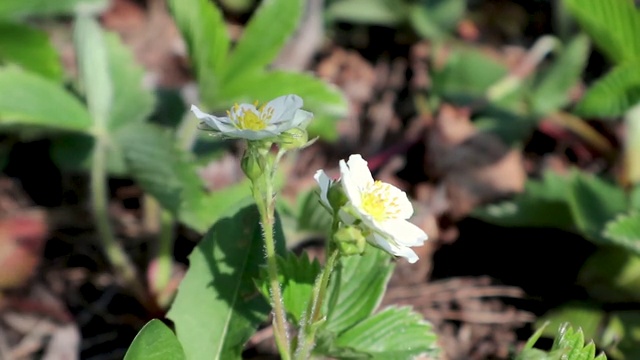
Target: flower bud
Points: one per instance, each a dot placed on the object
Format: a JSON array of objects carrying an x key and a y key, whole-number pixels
[
  {"x": 252, "y": 165},
  {"x": 292, "y": 139},
  {"x": 350, "y": 240},
  {"x": 336, "y": 196}
]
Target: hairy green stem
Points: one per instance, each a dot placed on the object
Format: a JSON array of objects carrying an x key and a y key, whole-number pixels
[
  {"x": 263, "y": 195},
  {"x": 314, "y": 313},
  {"x": 118, "y": 258}
]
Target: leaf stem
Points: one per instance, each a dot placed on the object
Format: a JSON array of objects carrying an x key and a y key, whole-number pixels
[
  {"x": 187, "y": 133},
  {"x": 632, "y": 145},
  {"x": 116, "y": 256},
  {"x": 263, "y": 195},
  {"x": 164, "y": 260}
]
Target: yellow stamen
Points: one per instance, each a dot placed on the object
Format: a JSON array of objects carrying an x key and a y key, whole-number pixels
[
  {"x": 249, "y": 120},
  {"x": 377, "y": 201},
  {"x": 266, "y": 113}
]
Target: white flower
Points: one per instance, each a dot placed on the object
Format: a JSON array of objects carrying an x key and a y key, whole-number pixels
[
  {"x": 248, "y": 121},
  {"x": 381, "y": 208}
]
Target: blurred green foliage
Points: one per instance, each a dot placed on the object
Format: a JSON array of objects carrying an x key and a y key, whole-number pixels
[
  {"x": 568, "y": 344},
  {"x": 430, "y": 19},
  {"x": 241, "y": 73}
]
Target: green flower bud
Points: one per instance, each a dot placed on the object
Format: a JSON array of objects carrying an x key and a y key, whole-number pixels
[
  {"x": 292, "y": 139},
  {"x": 350, "y": 240},
  {"x": 252, "y": 165},
  {"x": 336, "y": 196}
]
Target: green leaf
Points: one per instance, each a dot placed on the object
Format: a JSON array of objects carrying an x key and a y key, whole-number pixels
[
  {"x": 528, "y": 352},
  {"x": 217, "y": 307},
  {"x": 155, "y": 341},
  {"x": 535, "y": 354},
  {"x": 612, "y": 274},
  {"x": 92, "y": 57},
  {"x": 544, "y": 203},
  {"x": 533, "y": 339},
  {"x": 588, "y": 317},
  {"x": 613, "y": 25},
  {"x": 17, "y": 9},
  {"x": 569, "y": 338},
  {"x": 74, "y": 152},
  {"x": 572, "y": 343},
  {"x": 552, "y": 92},
  {"x": 32, "y": 100},
  {"x": 394, "y": 333},
  {"x": 356, "y": 288},
  {"x": 263, "y": 37},
  {"x": 568, "y": 345},
  {"x": 622, "y": 335},
  {"x": 131, "y": 102},
  {"x": 593, "y": 203},
  {"x": 297, "y": 276},
  {"x": 446, "y": 13},
  {"x": 625, "y": 231},
  {"x": 311, "y": 215},
  {"x": 436, "y": 19},
  {"x": 154, "y": 162},
  {"x": 634, "y": 198},
  {"x": 467, "y": 75},
  {"x": 30, "y": 48},
  {"x": 324, "y": 100},
  {"x": 199, "y": 208},
  {"x": 376, "y": 12},
  {"x": 204, "y": 30},
  {"x": 424, "y": 25},
  {"x": 612, "y": 94}
]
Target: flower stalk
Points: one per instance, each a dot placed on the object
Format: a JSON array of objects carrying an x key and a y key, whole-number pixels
[
  {"x": 262, "y": 189},
  {"x": 314, "y": 316}
]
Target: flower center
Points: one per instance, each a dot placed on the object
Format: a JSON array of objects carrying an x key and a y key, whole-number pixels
[
  {"x": 378, "y": 202},
  {"x": 251, "y": 121}
]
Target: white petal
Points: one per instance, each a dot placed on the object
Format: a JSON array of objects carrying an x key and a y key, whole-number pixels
[
  {"x": 284, "y": 107},
  {"x": 224, "y": 125},
  {"x": 301, "y": 119},
  {"x": 213, "y": 121},
  {"x": 360, "y": 171},
  {"x": 403, "y": 232},
  {"x": 394, "y": 249},
  {"x": 349, "y": 185},
  {"x": 277, "y": 129},
  {"x": 403, "y": 204},
  {"x": 324, "y": 182}
]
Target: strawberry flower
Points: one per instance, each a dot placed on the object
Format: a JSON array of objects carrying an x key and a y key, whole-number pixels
[
  {"x": 381, "y": 210},
  {"x": 254, "y": 122}
]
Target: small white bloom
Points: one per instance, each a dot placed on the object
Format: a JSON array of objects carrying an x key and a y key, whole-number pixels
[
  {"x": 253, "y": 122},
  {"x": 382, "y": 208}
]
